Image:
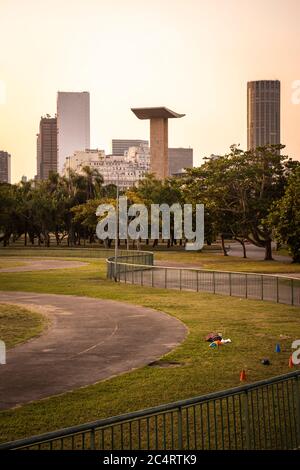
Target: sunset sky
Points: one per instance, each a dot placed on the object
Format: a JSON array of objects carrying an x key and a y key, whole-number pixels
[{"x": 193, "y": 56}]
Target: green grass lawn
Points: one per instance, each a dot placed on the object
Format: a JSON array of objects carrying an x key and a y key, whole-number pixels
[
  {"x": 18, "y": 324},
  {"x": 282, "y": 251},
  {"x": 7, "y": 263},
  {"x": 254, "y": 328},
  {"x": 227, "y": 263},
  {"x": 207, "y": 259},
  {"x": 53, "y": 252}
]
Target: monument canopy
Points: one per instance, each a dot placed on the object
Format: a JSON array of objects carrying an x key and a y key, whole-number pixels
[{"x": 158, "y": 112}]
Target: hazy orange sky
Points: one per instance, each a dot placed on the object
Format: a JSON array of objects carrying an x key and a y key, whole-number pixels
[{"x": 193, "y": 56}]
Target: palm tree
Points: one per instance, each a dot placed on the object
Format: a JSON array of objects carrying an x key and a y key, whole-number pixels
[{"x": 94, "y": 181}]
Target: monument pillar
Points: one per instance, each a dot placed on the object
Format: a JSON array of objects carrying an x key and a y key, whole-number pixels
[
  {"x": 159, "y": 159},
  {"x": 159, "y": 149}
]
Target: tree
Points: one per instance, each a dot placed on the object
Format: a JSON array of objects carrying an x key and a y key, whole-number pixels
[
  {"x": 284, "y": 218},
  {"x": 7, "y": 205},
  {"x": 94, "y": 181},
  {"x": 239, "y": 188},
  {"x": 153, "y": 191},
  {"x": 85, "y": 216}
]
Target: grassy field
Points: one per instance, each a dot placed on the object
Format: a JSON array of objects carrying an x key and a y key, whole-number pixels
[
  {"x": 227, "y": 263},
  {"x": 8, "y": 263},
  {"x": 254, "y": 328},
  {"x": 208, "y": 259},
  {"x": 18, "y": 324},
  {"x": 53, "y": 252}
]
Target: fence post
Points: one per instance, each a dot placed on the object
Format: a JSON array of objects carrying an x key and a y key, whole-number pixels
[
  {"x": 179, "y": 425},
  {"x": 197, "y": 281},
  {"x": 246, "y": 286},
  {"x": 297, "y": 411},
  {"x": 125, "y": 273},
  {"x": 152, "y": 273},
  {"x": 142, "y": 277},
  {"x": 180, "y": 278},
  {"x": 92, "y": 445},
  {"x": 262, "y": 287},
  {"x": 246, "y": 420},
  {"x": 292, "y": 290},
  {"x": 277, "y": 289},
  {"x": 166, "y": 273},
  {"x": 214, "y": 282},
  {"x": 230, "y": 289}
]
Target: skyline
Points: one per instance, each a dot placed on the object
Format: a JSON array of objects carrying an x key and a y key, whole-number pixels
[{"x": 198, "y": 59}]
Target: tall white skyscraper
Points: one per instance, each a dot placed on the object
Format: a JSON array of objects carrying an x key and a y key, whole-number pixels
[{"x": 73, "y": 124}]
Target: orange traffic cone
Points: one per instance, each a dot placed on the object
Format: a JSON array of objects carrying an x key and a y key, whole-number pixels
[
  {"x": 242, "y": 376},
  {"x": 291, "y": 364}
]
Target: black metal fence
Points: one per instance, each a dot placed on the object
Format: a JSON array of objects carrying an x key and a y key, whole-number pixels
[
  {"x": 140, "y": 270},
  {"x": 261, "y": 415},
  {"x": 139, "y": 261}
]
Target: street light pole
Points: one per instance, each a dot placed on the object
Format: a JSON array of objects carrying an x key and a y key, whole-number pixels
[{"x": 117, "y": 229}]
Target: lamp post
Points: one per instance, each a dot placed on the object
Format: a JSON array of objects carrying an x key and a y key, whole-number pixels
[
  {"x": 70, "y": 236},
  {"x": 117, "y": 229},
  {"x": 69, "y": 169}
]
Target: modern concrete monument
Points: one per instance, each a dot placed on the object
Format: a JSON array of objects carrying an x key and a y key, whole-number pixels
[{"x": 159, "y": 159}]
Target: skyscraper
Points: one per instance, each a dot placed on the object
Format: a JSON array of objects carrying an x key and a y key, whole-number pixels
[
  {"x": 47, "y": 147},
  {"x": 4, "y": 167},
  {"x": 263, "y": 113},
  {"x": 73, "y": 124}
]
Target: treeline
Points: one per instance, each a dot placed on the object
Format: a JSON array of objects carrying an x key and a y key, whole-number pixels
[
  {"x": 249, "y": 196},
  {"x": 37, "y": 209}
]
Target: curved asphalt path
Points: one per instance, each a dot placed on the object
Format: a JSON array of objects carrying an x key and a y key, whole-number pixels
[
  {"x": 254, "y": 252},
  {"x": 89, "y": 340}
]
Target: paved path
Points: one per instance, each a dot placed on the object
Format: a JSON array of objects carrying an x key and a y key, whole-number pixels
[
  {"x": 89, "y": 340},
  {"x": 254, "y": 252},
  {"x": 41, "y": 265}
]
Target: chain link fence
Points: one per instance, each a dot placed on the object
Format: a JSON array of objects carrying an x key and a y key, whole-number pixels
[{"x": 139, "y": 269}]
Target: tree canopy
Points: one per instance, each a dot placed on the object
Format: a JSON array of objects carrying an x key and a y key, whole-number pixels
[{"x": 248, "y": 196}]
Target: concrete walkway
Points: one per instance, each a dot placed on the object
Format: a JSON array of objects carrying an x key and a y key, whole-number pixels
[
  {"x": 89, "y": 340},
  {"x": 254, "y": 252},
  {"x": 41, "y": 265}
]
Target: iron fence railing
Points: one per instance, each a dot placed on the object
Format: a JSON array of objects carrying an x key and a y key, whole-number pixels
[
  {"x": 261, "y": 415},
  {"x": 138, "y": 260},
  {"x": 280, "y": 289}
]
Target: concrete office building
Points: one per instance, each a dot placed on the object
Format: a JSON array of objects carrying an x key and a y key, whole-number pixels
[
  {"x": 47, "y": 147},
  {"x": 82, "y": 158},
  {"x": 122, "y": 170},
  {"x": 73, "y": 124},
  {"x": 159, "y": 156},
  {"x": 179, "y": 159},
  {"x": 5, "y": 169},
  {"x": 120, "y": 146},
  {"x": 263, "y": 113}
]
